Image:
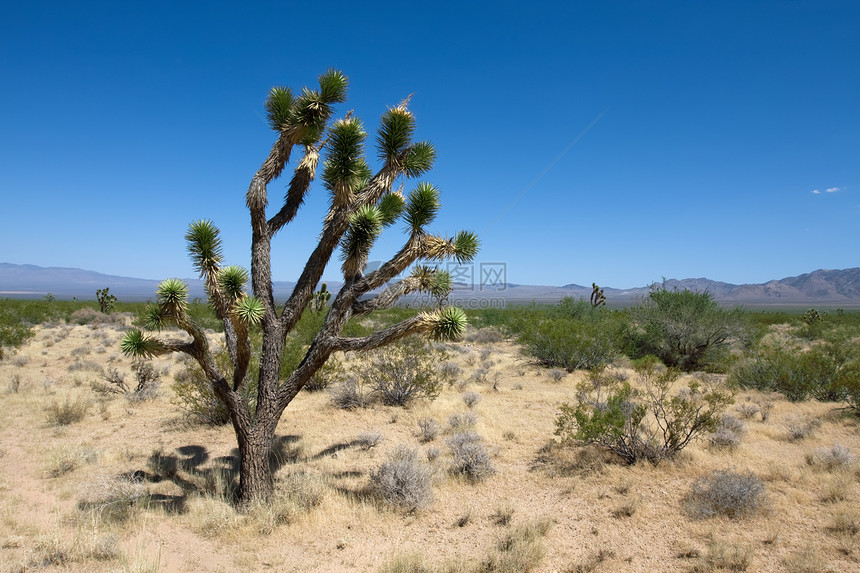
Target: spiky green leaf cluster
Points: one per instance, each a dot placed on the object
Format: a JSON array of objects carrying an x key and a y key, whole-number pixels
[
  {"x": 249, "y": 309},
  {"x": 466, "y": 245},
  {"x": 204, "y": 246},
  {"x": 422, "y": 206},
  {"x": 279, "y": 106},
  {"x": 450, "y": 324},
  {"x": 419, "y": 159},
  {"x": 333, "y": 85},
  {"x": 172, "y": 297},
  {"x": 345, "y": 164},
  {"x": 395, "y": 133},
  {"x": 391, "y": 206},
  {"x": 307, "y": 114},
  {"x": 136, "y": 345},
  {"x": 153, "y": 319},
  {"x": 232, "y": 280},
  {"x": 364, "y": 227},
  {"x": 440, "y": 285}
]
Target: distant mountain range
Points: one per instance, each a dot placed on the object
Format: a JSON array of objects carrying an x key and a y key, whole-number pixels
[{"x": 838, "y": 288}]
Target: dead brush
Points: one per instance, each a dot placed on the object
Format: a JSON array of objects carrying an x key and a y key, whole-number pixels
[
  {"x": 801, "y": 427},
  {"x": 836, "y": 457},
  {"x": 403, "y": 480},
  {"x": 724, "y": 493}
]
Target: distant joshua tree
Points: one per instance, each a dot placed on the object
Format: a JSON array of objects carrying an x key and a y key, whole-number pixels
[{"x": 361, "y": 204}]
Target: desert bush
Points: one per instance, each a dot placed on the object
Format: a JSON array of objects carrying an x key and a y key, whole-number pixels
[
  {"x": 145, "y": 388},
  {"x": 194, "y": 394},
  {"x": 519, "y": 551},
  {"x": 403, "y": 480},
  {"x": 469, "y": 456},
  {"x": 747, "y": 410},
  {"x": 836, "y": 457},
  {"x": 556, "y": 374},
  {"x": 68, "y": 411},
  {"x": 471, "y": 399},
  {"x": 428, "y": 429},
  {"x": 724, "y": 493},
  {"x": 331, "y": 373},
  {"x": 801, "y": 427},
  {"x": 450, "y": 370},
  {"x": 349, "y": 394},
  {"x": 572, "y": 344},
  {"x": 485, "y": 335},
  {"x": 369, "y": 440},
  {"x": 728, "y": 433},
  {"x": 462, "y": 421},
  {"x": 685, "y": 329},
  {"x": 404, "y": 371},
  {"x": 612, "y": 414},
  {"x": 826, "y": 371}
]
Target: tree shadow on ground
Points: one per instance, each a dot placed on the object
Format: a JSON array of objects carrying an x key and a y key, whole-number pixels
[{"x": 192, "y": 469}]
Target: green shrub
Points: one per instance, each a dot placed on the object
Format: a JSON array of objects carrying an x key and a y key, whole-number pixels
[
  {"x": 825, "y": 372},
  {"x": 685, "y": 329},
  {"x": 612, "y": 414}
]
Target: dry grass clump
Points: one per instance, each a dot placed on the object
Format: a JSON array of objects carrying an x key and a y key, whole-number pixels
[
  {"x": 837, "y": 488},
  {"x": 724, "y": 493},
  {"x": 725, "y": 555},
  {"x": 469, "y": 456},
  {"x": 845, "y": 521},
  {"x": 68, "y": 411},
  {"x": 591, "y": 561},
  {"x": 113, "y": 498},
  {"x": 295, "y": 494},
  {"x": 69, "y": 458},
  {"x": 519, "y": 551},
  {"x": 403, "y": 480},
  {"x": 805, "y": 560}
]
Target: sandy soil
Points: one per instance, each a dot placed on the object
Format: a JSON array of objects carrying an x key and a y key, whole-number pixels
[{"x": 605, "y": 517}]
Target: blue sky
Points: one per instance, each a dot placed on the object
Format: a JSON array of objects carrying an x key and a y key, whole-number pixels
[{"x": 616, "y": 142}]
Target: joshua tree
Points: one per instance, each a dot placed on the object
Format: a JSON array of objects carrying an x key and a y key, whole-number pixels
[
  {"x": 106, "y": 300},
  {"x": 362, "y": 203}
]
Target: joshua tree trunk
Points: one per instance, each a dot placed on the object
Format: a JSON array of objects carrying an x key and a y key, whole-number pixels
[{"x": 362, "y": 205}]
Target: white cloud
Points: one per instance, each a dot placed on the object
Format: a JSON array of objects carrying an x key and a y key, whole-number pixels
[
  {"x": 832, "y": 190},
  {"x": 816, "y": 192}
]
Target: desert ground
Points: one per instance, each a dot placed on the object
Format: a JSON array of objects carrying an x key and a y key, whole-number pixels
[{"x": 137, "y": 486}]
